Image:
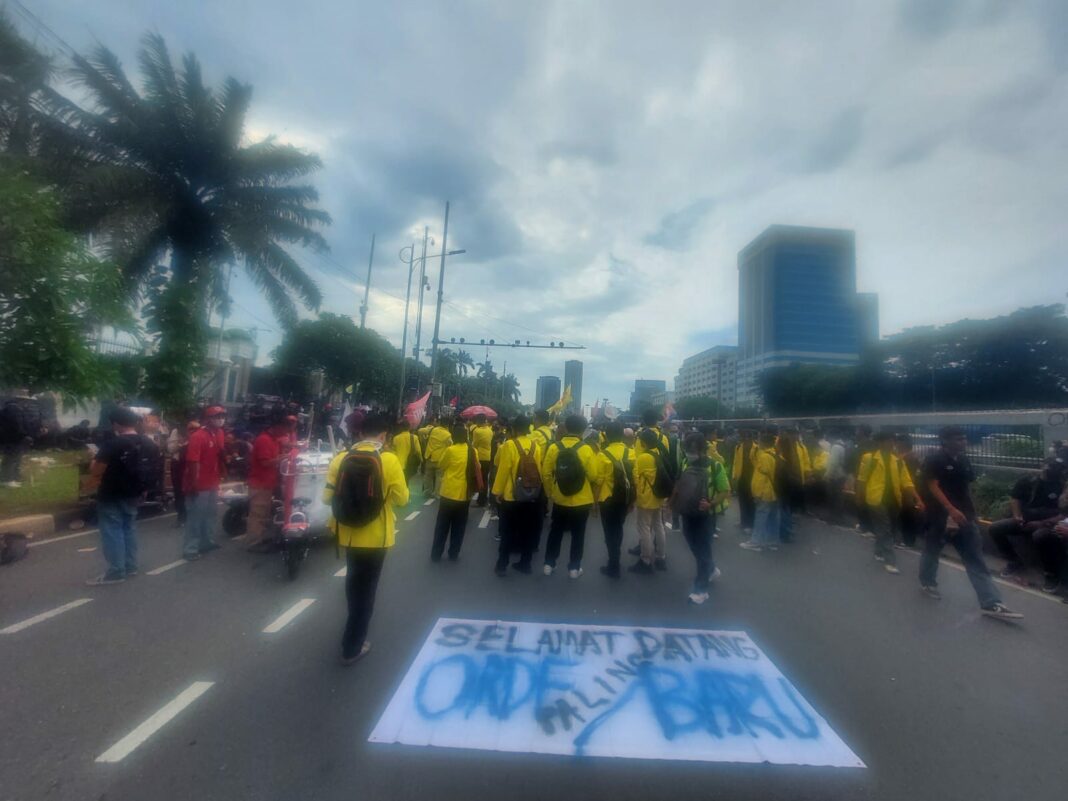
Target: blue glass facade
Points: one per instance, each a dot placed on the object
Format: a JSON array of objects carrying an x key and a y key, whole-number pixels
[{"x": 813, "y": 306}]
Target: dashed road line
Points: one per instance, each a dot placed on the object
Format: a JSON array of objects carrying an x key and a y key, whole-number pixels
[
  {"x": 484, "y": 522},
  {"x": 87, "y": 550},
  {"x": 428, "y": 501},
  {"x": 138, "y": 736},
  {"x": 14, "y": 628},
  {"x": 412, "y": 516},
  {"x": 88, "y": 531},
  {"x": 165, "y": 568},
  {"x": 342, "y": 573},
  {"x": 287, "y": 616}
]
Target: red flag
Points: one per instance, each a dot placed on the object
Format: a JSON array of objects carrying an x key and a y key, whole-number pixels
[
  {"x": 454, "y": 402},
  {"x": 416, "y": 411}
]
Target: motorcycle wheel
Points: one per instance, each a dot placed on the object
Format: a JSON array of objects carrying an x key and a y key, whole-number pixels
[
  {"x": 293, "y": 559},
  {"x": 235, "y": 521}
]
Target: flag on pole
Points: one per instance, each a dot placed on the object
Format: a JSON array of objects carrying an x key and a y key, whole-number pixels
[
  {"x": 669, "y": 412},
  {"x": 563, "y": 403},
  {"x": 416, "y": 411},
  {"x": 611, "y": 412}
]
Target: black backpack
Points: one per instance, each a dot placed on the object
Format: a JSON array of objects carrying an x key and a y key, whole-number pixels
[
  {"x": 413, "y": 453},
  {"x": 569, "y": 474},
  {"x": 664, "y": 480},
  {"x": 690, "y": 490},
  {"x": 139, "y": 466},
  {"x": 360, "y": 494},
  {"x": 622, "y": 478}
]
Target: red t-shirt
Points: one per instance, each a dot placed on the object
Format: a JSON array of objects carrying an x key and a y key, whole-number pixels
[
  {"x": 205, "y": 447},
  {"x": 262, "y": 474}
]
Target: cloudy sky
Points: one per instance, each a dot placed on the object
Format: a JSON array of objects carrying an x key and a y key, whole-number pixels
[{"x": 606, "y": 161}]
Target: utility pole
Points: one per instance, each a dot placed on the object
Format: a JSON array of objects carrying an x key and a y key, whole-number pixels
[
  {"x": 441, "y": 295},
  {"x": 422, "y": 283},
  {"x": 367, "y": 286},
  {"x": 404, "y": 336}
]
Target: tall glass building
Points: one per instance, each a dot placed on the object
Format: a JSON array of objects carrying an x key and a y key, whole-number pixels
[
  {"x": 798, "y": 303},
  {"x": 573, "y": 379}
]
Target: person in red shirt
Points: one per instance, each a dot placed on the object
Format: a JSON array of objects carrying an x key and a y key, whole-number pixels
[
  {"x": 204, "y": 470},
  {"x": 262, "y": 480}
]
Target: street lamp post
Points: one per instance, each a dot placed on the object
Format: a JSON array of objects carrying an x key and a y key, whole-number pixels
[
  {"x": 422, "y": 284},
  {"x": 441, "y": 296},
  {"x": 367, "y": 286},
  {"x": 404, "y": 334}
]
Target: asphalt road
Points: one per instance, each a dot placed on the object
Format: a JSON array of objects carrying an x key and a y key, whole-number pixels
[{"x": 939, "y": 702}]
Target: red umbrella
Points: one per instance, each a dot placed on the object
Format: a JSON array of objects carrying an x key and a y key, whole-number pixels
[{"x": 475, "y": 411}]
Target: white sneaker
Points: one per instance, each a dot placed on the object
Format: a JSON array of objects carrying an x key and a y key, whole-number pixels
[
  {"x": 13, "y": 484},
  {"x": 547, "y": 570},
  {"x": 698, "y": 598},
  {"x": 750, "y": 546},
  {"x": 880, "y": 558},
  {"x": 891, "y": 569},
  {"x": 574, "y": 573},
  {"x": 715, "y": 575}
]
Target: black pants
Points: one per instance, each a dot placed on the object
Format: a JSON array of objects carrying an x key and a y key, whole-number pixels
[
  {"x": 482, "y": 493},
  {"x": 364, "y": 566},
  {"x": 746, "y": 504},
  {"x": 1052, "y": 553},
  {"x": 910, "y": 523},
  {"x": 613, "y": 516},
  {"x": 450, "y": 527},
  {"x": 1002, "y": 533},
  {"x": 519, "y": 523},
  {"x": 698, "y": 529},
  {"x": 11, "y": 461},
  {"x": 567, "y": 519}
]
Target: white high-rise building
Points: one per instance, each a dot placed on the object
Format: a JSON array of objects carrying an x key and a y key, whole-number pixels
[{"x": 711, "y": 373}]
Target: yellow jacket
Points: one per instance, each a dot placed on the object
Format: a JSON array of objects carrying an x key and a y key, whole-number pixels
[
  {"x": 379, "y": 533},
  {"x": 508, "y": 465},
  {"x": 453, "y": 466},
  {"x": 482, "y": 439},
  {"x": 624, "y": 454},
  {"x": 819, "y": 462},
  {"x": 764, "y": 466},
  {"x": 543, "y": 435},
  {"x": 644, "y": 476},
  {"x": 590, "y": 465},
  {"x": 739, "y": 453},
  {"x": 436, "y": 443},
  {"x": 804, "y": 465},
  {"x": 403, "y": 444},
  {"x": 713, "y": 452},
  {"x": 872, "y": 474}
]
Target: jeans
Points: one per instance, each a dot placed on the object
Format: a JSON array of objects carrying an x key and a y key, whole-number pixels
[
  {"x": 364, "y": 567},
  {"x": 449, "y": 527},
  {"x": 786, "y": 522},
  {"x": 1002, "y": 533},
  {"x": 199, "y": 522},
  {"x": 746, "y": 504},
  {"x": 766, "y": 523},
  {"x": 698, "y": 532},
  {"x": 651, "y": 535},
  {"x": 880, "y": 518},
  {"x": 613, "y": 516},
  {"x": 118, "y": 538},
  {"x": 968, "y": 544},
  {"x": 567, "y": 519}
]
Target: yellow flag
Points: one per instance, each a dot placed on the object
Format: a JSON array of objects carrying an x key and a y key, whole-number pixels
[{"x": 563, "y": 403}]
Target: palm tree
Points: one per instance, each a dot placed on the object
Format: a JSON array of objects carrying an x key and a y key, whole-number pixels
[
  {"x": 485, "y": 370},
  {"x": 510, "y": 387},
  {"x": 165, "y": 170},
  {"x": 464, "y": 362}
]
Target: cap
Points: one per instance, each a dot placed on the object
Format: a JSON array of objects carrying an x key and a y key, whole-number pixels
[{"x": 215, "y": 411}]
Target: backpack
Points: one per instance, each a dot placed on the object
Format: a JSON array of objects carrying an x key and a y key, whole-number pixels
[
  {"x": 690, "y": 490},
  {"x": 412, "y": 463},
  {"x": 13, "y": 547},
  {"x": 476, "y": 482},
  {"x": 527, "y": 476},
  {"x": 569, "y": 474},
  {"x": 360, "y": 495},
  {"x": 664, "y": 480},
  {"x": 139, "y": 466},
  {"x": 622, "y": 478}
]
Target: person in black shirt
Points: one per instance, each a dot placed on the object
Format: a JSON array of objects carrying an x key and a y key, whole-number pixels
[
  {"x": 124, "y": 465},
  {"x": 947, "y": 475},
  {"x": 1034, "y": 515}
]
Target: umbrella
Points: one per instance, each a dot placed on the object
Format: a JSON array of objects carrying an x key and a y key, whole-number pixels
[{"x": 474, "y": 411}]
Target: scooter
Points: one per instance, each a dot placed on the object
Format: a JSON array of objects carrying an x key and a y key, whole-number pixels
[{"x": 303, "y": 516}]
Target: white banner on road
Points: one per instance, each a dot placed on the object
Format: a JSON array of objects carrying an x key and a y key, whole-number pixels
[{"x": 613, "y": 691}]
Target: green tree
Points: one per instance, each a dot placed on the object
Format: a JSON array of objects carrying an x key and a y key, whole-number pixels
[
  {"x": 464, "y": 362},
  {"x": 701, "y": 408},
  {"x": 53, "y": 295}
]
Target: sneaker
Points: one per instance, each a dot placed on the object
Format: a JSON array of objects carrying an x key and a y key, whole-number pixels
[
  {"x": 750, "y": 546},
  {"x": 892, "y": 569},
  {"x": 13, "y": 484},
  {"x": 1012, "y": 569},
  {"x": 931, "y": 591},
  {"x": 1001, "y": 612},
  {"x": 496, "y": 537},
  {"x": 610, "y": 572},
  {"x": 660, "y": 564},
  {"x": 574, "y": 573},
  {"x": 698, "y": 598},
  {"x": 773, "y": 547},
  {"x": 635, "y": 551},
  {"x": 716, "y": 574},
  {"x": 352, "y": 660},
  {"x": 901, "y": 546},
  {"x": 548, "y": 569},
  {"x": 520, "y": 567},
  {"x": 131, "y": 573},
  {"x": 669, "y": 527},
  {"x": 103, "y": 579},
  {"x": 867, "y": 535},
  {"x": 880, "y": 558},
  {"x": 641, "y": 567},
  {"x": 1050, "y": 586}
]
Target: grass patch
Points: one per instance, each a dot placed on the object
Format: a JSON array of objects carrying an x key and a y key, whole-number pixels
[{"x": 45, "y": 488}]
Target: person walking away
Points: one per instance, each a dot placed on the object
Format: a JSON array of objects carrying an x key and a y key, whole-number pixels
[
  {"x": 653, "y": 486},
  {"x": 862, "y": 445},
  {"x": 405, "y": 445},
  {"x": 764, "y": 482},
  {"x": 125, "y": 465},
  {"x": 742, "y": 477},
  {"x": 885, "y": 488},
  {"x": 364, "y": 487},
  {"x": 793, "y": 460},
  {"x": 569, "y": 471},
  {"x": 1035, "y": 514},
  {"x": 482, "y": 440},
  {"x": 517, "y": 488},
  {"x": 948, "y": 475},
  {"x": 458, "y": 470},
  {"x": 437, "y": 441},
  {"x": 616, "y": 493},
  {"x": 701, "y": 487},
  {"x": 204, "y": 470},
  {"x": 178, "y": 447},
  {"x": 543, "y": 430},
  {"x": 263, "y": 475},
  {"x": 910, "y": 521}
]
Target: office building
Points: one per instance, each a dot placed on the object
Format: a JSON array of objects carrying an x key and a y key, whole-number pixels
[
  {"x": 644, "y": 391},
  {"x": 709, "y": 374},
  {"x": 547, "y": 391},
  {"x": 798, "y": 303},
  {"x": 573, "y": 379}
]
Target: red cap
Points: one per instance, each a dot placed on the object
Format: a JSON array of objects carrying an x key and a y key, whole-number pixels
[{"x": 214, "y": 411}]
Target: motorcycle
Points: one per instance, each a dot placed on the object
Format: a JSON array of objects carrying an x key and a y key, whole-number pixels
[{"x": 302, "y": 517}]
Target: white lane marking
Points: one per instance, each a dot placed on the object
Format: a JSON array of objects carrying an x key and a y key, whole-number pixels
[
  {"x": 87, "y": 550},
  {"x": 342, "y": 573},
  {"x": 428, "y": 502},
  {"x": 284, "y": 619},
  {"x": 485, "y": 520},
  {"x": 123, "y": 747},
  {"x": 412, "y": 516},
  {"x": 88, "y": 531},
  {"x": 14, "y": 628},
  {"x": 167, "y": 567}
]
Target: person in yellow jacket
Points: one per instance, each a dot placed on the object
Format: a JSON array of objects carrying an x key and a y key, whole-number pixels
[
  {"x": 793, "y": 477},
  {"x": 482, "y": 439},
  {"x": 884, "y": 485},
  {"x": 543, "y": 430},
  {"x": 652, "y": 537},
  {"x": 437, "y": 441},
  {"x": 617, "y": 461},
  {"x": 520, "y": 521},
  {"x": 651, "y": 422},
  {"x": 366, "y": 546},
  {"x": 406, "y": 445},
  {"x": 457, "y": 467},
  {"x": 766, "y": 467},
  {"x": 745, "y": 454},
  {"x": 570, "y": 486}
]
